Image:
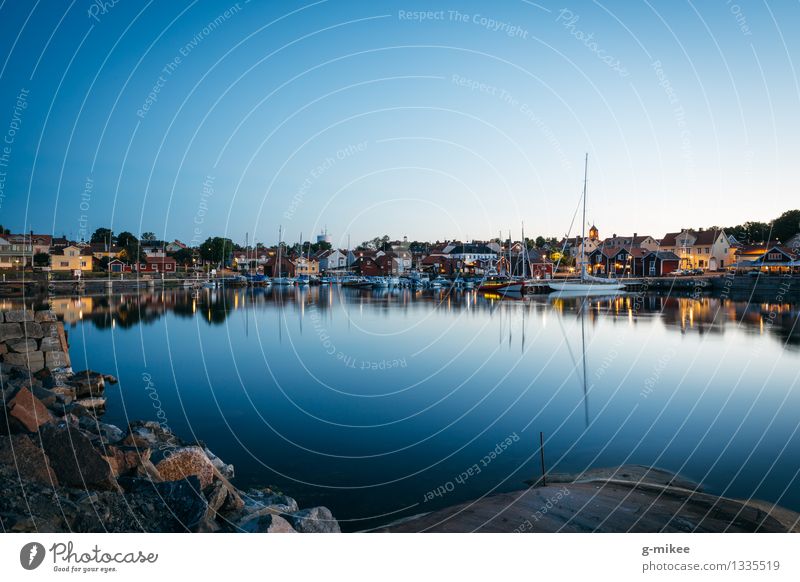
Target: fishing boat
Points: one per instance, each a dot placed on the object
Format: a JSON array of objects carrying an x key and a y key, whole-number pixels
[
  {"x": 586, "y": 284},
  {"x": 502, "y": 285}
]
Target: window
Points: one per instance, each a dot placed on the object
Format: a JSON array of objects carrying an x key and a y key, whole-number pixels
[{"x": 64, "y": 263}]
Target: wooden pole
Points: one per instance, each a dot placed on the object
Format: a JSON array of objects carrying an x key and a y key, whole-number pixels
[{"x": 541, "y": 454}]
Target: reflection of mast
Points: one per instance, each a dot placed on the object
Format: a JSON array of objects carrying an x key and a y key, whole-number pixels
[{"x": 583, "y": 359}]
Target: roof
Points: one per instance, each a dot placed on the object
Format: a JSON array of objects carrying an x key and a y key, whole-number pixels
[
  {"x": 664, "y": 255},
  {"x": 704, "y": 237},
  {"x": 472, "y": 249},
  {"x": 620, "y": 240},
  {"x": 159, "y": 260}
]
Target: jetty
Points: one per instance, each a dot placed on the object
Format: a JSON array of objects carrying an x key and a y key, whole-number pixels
[{"x": 629, "y": 498}]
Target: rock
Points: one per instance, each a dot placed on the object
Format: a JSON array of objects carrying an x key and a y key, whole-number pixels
[
  {"x": 55, "y": 359},
  {"x": 256, "y": 499},
  {"x": 22, "y": 346},
  {"x": 186, "y": 461},
  {"x": 225, "y": 469},
  {"x": 125, "y": 460},
  {"x": 50, "y": 344},
  {"x": 93, "y": 404},
  {"x": 28, "y": 410},
  {"x": 266, "y": 523},
  {"x": 10, "y": 331},
  {"x": 86, "y": 383},
  {"x": 34, "y": 361},
  {"x": 29, "y": 461},
  {"x": 19, "y": 315},
  {"x": 182, "y": 498},
  {"x": 110, "y": 379},
  {"x": 31, "y": 329},
  {"x": 3, "y": 349},
  {"x": 45, "y": 396},
  {"x": 108, "y": 433},
  {"x": 314, "y": 520},
  {"x": 42, "y": 316},
  {"x": 75, "y": 460},
  {"x": 2, "y": 317}
]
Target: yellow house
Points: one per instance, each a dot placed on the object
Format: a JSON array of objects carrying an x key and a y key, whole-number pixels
[{"x": 72, "y": 258}]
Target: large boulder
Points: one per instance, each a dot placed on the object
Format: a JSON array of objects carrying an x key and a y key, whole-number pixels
[
  {"x": 265, "y": 523},
  {"x": 34, "y": 361},
  {"x": 32, "y": 329},
  {"x": 185, "y": 461},
  {"x": 10, "y": 331},
  {"x": 182, "y": 499},
  {"x": 29, "y": 461},
  {"x": 314, "y": 520},
  {"x": 50, "y": 344},
  {"x": 19, "y": 315},
  {"x": 46, "y": 315},
  {"x": 76, "y": 462},
  {"x": 22, "y": 346},
  {"x": 28, "y": 411}
]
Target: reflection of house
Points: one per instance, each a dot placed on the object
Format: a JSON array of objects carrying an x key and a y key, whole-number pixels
[
  {"x": 72, "y": 258},
  {"x": 703, "y": 249}
]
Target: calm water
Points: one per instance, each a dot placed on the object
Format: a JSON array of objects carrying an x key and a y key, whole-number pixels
[{"x": 368, "y": 401}]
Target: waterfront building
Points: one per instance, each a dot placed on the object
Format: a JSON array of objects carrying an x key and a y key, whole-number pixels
[{"x": 700, "y": 249}]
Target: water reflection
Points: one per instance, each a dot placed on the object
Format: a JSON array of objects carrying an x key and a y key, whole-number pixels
[{"x": 703, "y": 315}]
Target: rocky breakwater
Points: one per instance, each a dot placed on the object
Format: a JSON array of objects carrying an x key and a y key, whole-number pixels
[{"x": 63, "y": 469}]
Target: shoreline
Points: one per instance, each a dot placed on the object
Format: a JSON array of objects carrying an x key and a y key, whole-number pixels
[
  {"x": 64, "y": 470},
  {"x": 628, "y": 498}
]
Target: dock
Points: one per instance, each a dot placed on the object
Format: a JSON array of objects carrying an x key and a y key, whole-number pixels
[{"x": 630, "y": 498}]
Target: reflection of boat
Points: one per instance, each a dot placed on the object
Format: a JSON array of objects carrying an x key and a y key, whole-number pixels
[{"x": 587, "y": 284}]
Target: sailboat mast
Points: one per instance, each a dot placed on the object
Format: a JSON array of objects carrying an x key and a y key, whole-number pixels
[
  {"x": 583, "y": 222},
  {"x": 524, "y": 250}
]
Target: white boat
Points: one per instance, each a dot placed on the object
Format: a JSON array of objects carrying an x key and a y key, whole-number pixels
[
  {"x": 587, "y": 284},
  {"x": 282, "y": 281}
]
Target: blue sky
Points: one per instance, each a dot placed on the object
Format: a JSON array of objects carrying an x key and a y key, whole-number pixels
[{"x": 366, "y": 118}]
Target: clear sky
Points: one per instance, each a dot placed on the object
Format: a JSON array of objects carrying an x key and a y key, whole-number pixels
[{"x": 192, "y": 119}]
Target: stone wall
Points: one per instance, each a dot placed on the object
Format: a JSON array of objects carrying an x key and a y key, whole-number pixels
[{"x": 33, "y": 340}]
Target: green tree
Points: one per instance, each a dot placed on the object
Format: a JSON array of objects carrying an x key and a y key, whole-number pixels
[
  {"x": 216, "y": 250},
  {"x": 102, "y": 235},
  {"x": 131, "y": 249},
  {"x": 540, "y": 242},
  {"x": 4, "y": 230},
  {"x": 148, "y": 236},
  {"x": 183, "y": 256},
  {"x": 786, "y": 225},
  {"x": 41, "y": 260}
]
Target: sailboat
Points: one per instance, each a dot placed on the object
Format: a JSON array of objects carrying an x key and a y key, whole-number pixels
[
  {"x": 279, "y": 279},
  {"x": 587, "y": 284}
]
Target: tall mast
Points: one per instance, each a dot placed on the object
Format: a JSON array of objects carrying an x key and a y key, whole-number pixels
[
  {"x": 583, "y": 222},
  {"x": 524, "y": 249},
  {"x": 280, "y": 232}
]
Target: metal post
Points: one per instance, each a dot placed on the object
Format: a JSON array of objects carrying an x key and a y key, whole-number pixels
[{"x": 541, "y": 454}]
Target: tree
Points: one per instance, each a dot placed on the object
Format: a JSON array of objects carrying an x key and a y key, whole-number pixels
[
  {"x": 183, "y": 256},
  {"x": 41, "y": 260},
  {"x": 148, "y": 236},
  {"x": 786, "y": 225},
  {"x": 4, "y": 230},
  {"x": 125, "y": 238},
  {"x": 540, "y": 242},
  {"x": 130, "y": 247},
  {"x": 216, "y": 250},
  {"x": 102, "y": 235}
]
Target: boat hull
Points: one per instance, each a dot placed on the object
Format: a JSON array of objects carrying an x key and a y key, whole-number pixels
[
  {"x": 578, "y": 287},
  {"x": 504, "y": 288}
]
